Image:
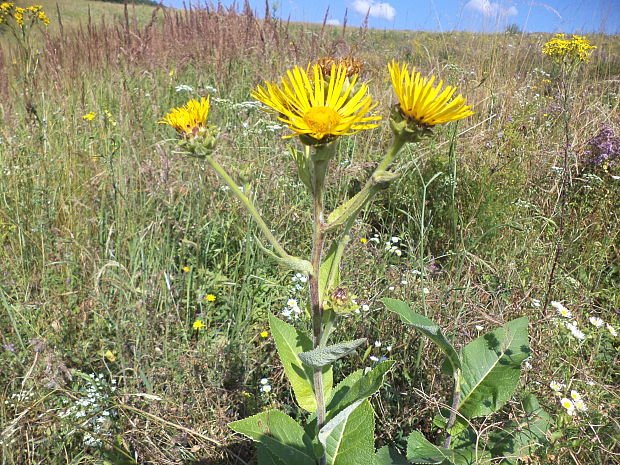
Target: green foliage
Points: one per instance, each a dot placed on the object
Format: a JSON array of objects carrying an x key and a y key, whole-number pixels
[
  {"x": 280, "y": 435},
  {"x": 348, "y": 438},
  {"x": 426, "y": 327},
  {"x": 491, "y": 367},
  {"x": 291, "y": 342},
  {"x": 327, "y": 355}
]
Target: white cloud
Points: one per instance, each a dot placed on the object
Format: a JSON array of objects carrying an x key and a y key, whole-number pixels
[
  {"x": 374, "y": 9},
  {"x": 333, "y": 22},
  {"x": 488, "y": 8}
]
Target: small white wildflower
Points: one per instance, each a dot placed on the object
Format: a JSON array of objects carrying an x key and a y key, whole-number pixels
[
  {"x": 303, "y": 278},
  {"x": 264, "y": 381},
  {"x": 266, "y": 388},
  {"x": 365, "y": 307},
  {"x": 398, "y": 253},
  {"x": 612, "y": 330},
  {"x": 557, "y": 387},
  {"x": 535, "y": 302},
  {"x": 211, "y": 90},
  {"x": 389, "y": 348},
  {"x": 580, "y": 405},
  {"x": 426, "y": 291},
  {"x": 527, "y": 365},
  {"x": 575, "y": 331},
  {"x": 416, "y": 272},
  {"x": 391, "y": 288},
  {"x": 395, "y": 239},
  {"x": 373, "y": 358},
  {"x": 479, "y": 327},
  {"x": 575, "y": 395},
  {"x": 568, "y": 405},
  {"x": 377, "y": 343},
  {"x": 596, "y": 321},
  {"x": 291, "y": 303},
  {"x": 561, "y": 309},
  {"x": 183, "y": 87},
  {"x": 404, "y": 282}
]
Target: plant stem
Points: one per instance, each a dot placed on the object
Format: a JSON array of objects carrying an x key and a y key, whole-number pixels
[
  {"x": 316, "y": 299},
  {"x": 455, "y": 405},
  {"x": 249, "y": 205}
]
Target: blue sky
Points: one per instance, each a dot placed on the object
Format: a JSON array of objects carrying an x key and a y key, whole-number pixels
[{"x": 569, "y": 16}]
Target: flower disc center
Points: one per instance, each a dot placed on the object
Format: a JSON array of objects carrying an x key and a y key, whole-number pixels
[{"x": 322, "y": 120}]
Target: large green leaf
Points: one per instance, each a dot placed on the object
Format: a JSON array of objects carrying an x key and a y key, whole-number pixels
[
  {"x": 357, "y": 386},
  {"x": 426, "y": 327},
  {"x": 491, "y": 367},
  {"x": 520, "y": 438},
  {"x": 326, "y": 355},
  {"x": 280, "y": 435},
  {"x": 388, "y": 456},
  {"x": 290, "y": 342},
  {"x": 348, "y": 438},
  {"x": 421, "y": 451}
]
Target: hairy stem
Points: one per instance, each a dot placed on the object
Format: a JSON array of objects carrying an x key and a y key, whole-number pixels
[{"x": 455, "y": 406}]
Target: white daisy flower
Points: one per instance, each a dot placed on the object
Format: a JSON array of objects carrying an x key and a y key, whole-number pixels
[
  {"x": 561, "y": 309},
  {"x": 291, "y": 303},
  {"x": 575, "y": 395},
  {"x": 388, "y": 348},
  {"x": 377, "y": 343},
  {"x": 555, "y": 386},
  {"x": 398, "y": 253},
  {"x": 264, "y": 381},
  {"x": 365, "y": 307},
  {"x": 580, "y": 405},
  {"x": 568, "y": 405},
  {"x": 373, "y": 358},
  {"x": 596, "y": 321},
  {"x": 266, "y": 388},
  {"x": 395, "y": 239},
  {"x": 612, "y": 330}
]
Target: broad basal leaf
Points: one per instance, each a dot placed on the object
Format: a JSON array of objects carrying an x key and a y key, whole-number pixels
[
  {"x": 280, "y": 435},
  {"x": 421, "y": 451},
  {"x": 326, "y": 355},
  {"x": 426, "y": 327},
  {"x": 348, "y": 438},
  {"x": 290, "y": 343},
  {"x": 490, "y": 368}
]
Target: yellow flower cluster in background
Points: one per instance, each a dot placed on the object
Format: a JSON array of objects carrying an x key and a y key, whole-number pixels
[
  {"x": 576, "y": 49},
  {"x": 22, "y": 16}
]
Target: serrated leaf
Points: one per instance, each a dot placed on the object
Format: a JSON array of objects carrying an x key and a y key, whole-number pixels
[
  {"x": 426, "y": 327},
  {"x": 280, "y": 434},
  {"x": 348, "y": 439},
  {"x": 520, "y": 438},
  {"x": 388, "y": 456},
  {"x": 491, "y": 367},
  {"x": 326, "y": 355},
  {"x": 357, "y": 386},
  {"x": 290, "y": 342}
]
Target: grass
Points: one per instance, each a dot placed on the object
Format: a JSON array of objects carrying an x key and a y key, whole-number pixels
[{"x": 111, "y": 241}]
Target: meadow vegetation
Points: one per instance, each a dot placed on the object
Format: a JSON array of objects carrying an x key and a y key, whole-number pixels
[{"x": 134, "y": 297}]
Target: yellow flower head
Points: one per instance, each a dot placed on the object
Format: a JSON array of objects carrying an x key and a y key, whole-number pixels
[
  {"x": 189, "y": 120},
  {"x": 89, "y": 116},
  {"x": 421, "y": 102},
  {"x": 210, "y": 298},
  {"x": 560, "y": 49},
  {"x": 264, "y": 334},
  {"x": 322, "y": 107},
  {"x": 198, "y": 324}
]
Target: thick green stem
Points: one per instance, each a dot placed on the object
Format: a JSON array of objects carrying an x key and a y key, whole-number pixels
[{"x": 316, "y": 299}]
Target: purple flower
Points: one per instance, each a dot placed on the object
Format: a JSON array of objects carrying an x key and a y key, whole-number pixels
[
  {"x": 603, "y": 148},
  {"x": 9, "y": 347}
]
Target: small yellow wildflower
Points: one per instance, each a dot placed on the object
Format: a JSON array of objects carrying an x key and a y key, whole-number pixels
[
  {"x": 363, "y": 240},
  {"x": 109, "y": 355},
  {"x": 189, "y": 120},
  {"x": 186, "y": 269},
  {"x": 89, "y": 116},
  {"x": 421, "y": 102},
  {"x": 198, "y": 324},
  {"x": 171, "y": 73},
  {"x": 560, "y": 49},
  {"x": 315, "y": 105},
  {"x": 264, "y": 334},
  {"x": 210, "y": 298}
]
